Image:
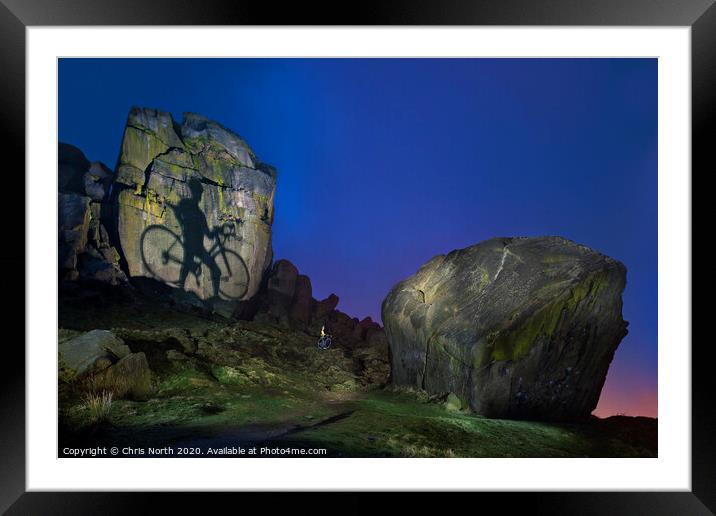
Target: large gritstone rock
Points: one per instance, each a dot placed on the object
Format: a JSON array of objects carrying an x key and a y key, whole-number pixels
[
  {"x": 515, "y": 327},
  {"x": 194, "y": 207}
]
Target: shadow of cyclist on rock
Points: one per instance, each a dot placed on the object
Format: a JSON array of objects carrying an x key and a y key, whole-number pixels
[{"x": 194, "y": 228}]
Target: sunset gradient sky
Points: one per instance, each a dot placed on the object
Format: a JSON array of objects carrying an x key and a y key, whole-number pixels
[{"x": 384, "y": 163}]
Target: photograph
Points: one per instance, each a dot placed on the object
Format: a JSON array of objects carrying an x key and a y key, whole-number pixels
[
  {"x": 357, "y": 257},
  {"x": 414, "y": 246}
]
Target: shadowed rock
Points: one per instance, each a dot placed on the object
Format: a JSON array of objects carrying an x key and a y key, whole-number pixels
[
  {"x": 281, "y": 287},
  {"x": 97, "y": 180},
  {"x": 85, "y": 250},
  {"x": 71, "y": 167},
  {"x": 323, "y": 308},
  {"x": 302, "y": 301},
  {"x": 287, "y": 300},
  {"x": 515, "y": 327},
  {"x": 73, "y": 225}
]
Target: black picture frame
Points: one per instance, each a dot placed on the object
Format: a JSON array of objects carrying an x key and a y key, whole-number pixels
[{"x": 16, "y": 15}]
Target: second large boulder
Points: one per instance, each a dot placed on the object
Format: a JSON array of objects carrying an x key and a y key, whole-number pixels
[{"x": 514, "y": 327}]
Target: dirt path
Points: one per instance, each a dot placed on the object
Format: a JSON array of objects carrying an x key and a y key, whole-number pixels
[{"x": 261, "y": 434}]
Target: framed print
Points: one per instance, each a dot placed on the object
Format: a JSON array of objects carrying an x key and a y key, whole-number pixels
[{"x": 417, "y": 249}]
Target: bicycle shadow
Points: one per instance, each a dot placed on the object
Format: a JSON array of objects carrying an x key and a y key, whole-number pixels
[{"x": 175, "y": 258}]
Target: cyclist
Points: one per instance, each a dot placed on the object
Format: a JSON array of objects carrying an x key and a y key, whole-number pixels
[{"x": 324, "y": 342}]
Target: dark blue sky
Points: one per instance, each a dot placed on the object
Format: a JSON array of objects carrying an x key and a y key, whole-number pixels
[{"x": 384, "y": 163}]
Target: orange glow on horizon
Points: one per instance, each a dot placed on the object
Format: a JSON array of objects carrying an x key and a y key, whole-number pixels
[{"x": 615, "y": 401}]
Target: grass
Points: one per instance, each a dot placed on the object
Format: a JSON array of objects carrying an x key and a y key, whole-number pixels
[
  {"x": 98, "y": 406},
  {"x": 382, "y": 423},
  {"x": 118, "y": 385},
  {"x": 249, "y": 381},
  {"x": 393, "y": 424}
]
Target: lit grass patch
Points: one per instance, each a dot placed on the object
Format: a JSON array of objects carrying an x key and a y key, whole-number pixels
[{"x": 98, "y": 406}]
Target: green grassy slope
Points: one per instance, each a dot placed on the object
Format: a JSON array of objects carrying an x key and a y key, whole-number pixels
[{"x": 250, "y": 384}]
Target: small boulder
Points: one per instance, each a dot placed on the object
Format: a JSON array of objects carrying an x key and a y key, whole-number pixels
[
  {"x": 128, "y": 378},
  {"x": 90, "y": 352},
  {"x": 453, "y": 403}
]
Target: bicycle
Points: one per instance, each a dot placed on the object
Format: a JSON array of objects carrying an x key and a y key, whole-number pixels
[
  {"x": 233, "y": 280},
  {"x": 325, "y": 340}
]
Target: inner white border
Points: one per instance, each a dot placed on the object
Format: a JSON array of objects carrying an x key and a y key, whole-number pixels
[{"x": 670, "y": 471}]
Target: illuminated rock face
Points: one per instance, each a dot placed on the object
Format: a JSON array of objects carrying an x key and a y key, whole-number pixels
[
  {"x": 515, "y": 327},
  {"x": 194, "y": 207}
]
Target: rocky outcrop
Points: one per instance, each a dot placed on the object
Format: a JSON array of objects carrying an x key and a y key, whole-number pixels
[
  {"x": 73, "y": 222},
  {"x": 194, "y": 207},
  {"x": 287, "y": 300},
  {"x": 85, "y": 250},
  {"x": 97, "y": 181},
  {"x": 280, "y": 288},
  {"x": 514, "y": 327},
  {"x": 71, "y": 169},
  {"x": 302, "y": 302},
  {"x": 322, "y": 309}
]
